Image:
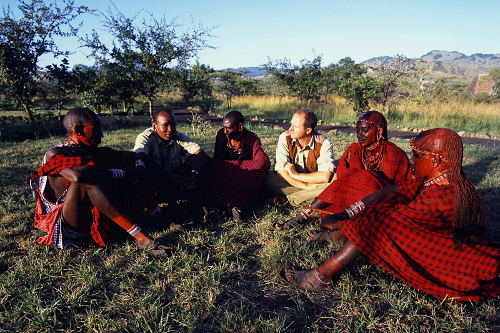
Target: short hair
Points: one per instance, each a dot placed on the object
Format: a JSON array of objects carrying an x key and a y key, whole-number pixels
[
  {"x": 77, "y": 116},
  {"x": 156, "y": 113},
  {"x": 310, "y": 118},
  {"x": 236, "y": 117}
]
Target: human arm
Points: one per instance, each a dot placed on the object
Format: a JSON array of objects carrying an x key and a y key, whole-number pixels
[
  {"x": 332, "y": 221},
  {"x": 317, "y": 177}
]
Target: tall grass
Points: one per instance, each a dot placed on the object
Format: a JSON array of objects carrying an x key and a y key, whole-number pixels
[{"x": 458, "y": 115}]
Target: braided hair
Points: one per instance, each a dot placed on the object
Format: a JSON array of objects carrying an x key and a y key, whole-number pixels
[{"x": 469, "y": 225}]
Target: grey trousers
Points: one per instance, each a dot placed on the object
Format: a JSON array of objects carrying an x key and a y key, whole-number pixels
[{"x": 295, "y": 195}]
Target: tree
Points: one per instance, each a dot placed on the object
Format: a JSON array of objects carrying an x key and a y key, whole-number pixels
[
  {"x": 149, "y": 54},
  {"x": 349, "y": 80},
  {"x": 302, "y": 81},
  {"x": 24, "y": 41},
  {"x": 63, "y": 80},
  {"x": 494, "y": 75},
  {"x": 390, "y": 74},
  {"x": 228, "y": 84},
  {"x": 196, "y": 81}
]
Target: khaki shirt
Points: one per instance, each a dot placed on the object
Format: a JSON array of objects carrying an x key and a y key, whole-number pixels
[
  {"x": 325, "y": 160},
  {"x": 168, "y": 155}
]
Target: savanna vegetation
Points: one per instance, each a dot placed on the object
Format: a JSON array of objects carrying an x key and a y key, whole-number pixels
[{"x": 222, "y": 275}]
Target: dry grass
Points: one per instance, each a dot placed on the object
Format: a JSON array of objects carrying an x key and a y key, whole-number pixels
[{"x": 221, "y": 278}]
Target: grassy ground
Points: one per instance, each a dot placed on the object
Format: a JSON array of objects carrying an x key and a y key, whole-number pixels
[{"x": 221, "y": 277}]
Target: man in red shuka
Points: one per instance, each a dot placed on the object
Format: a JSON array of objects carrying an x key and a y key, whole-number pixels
[
  {"x": 83, "y": 188},
  {"x": 430, "y": 232}
]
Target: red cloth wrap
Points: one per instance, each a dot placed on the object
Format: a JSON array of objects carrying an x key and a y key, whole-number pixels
[
  {"x": 131, "y": 195},
  {"x": 232, "y": 183},
  {"x": 410, "y": 235},
  {"x": 353, "y": 182}
]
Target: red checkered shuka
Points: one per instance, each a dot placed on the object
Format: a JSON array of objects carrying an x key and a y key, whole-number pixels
[
  {"x": 236, "y": 183},
  {"x": 131, "y": 195},
  {"x": 354, "y": 182},
  {"x": 410, "y": 235}
]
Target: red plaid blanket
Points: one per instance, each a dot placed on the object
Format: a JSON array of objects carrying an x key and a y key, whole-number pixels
[
  {"x": 131, "y": 195},
  {"x": 410, "y": 235},
  {"x": 236, "y": 183},
  {"x": 354, "y": 182}
]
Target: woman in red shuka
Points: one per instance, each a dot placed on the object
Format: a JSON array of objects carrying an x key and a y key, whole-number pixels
[{"x": 429, "y": 232}]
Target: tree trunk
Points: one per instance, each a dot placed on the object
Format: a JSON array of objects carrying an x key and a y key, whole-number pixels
[
  {"x": 150, "y": 108},
  {"x": 29, "y": 113}
]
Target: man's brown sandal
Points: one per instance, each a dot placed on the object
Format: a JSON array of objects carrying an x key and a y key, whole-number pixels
[
  {"x": 330, "y": 237},
  {"x": 156, "y": 248},
  {"x": 299, "y": 280},
  {"x": 291, "y": 223}
]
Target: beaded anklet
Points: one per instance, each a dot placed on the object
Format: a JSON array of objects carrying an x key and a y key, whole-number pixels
[
  {"x": 316, "y": 271},
  {"x": 134, "y": 230}
]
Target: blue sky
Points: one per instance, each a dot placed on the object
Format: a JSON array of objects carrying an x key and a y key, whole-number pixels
[{"x": 248, "y": 32}]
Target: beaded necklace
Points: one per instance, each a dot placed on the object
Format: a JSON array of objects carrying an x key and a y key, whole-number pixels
[
  {"x": 441, "y": 179},
  {"x": 235, "y": 153}
]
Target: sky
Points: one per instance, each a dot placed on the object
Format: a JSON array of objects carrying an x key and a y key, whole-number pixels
[{"x": 248, "y": 33}]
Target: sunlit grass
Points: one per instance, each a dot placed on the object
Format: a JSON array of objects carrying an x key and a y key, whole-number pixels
[{"x": 221, "y": 278}]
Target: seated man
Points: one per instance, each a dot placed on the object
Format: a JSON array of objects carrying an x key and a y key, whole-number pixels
[
  {"x": 238, "y": 168},
  {"x": 83, "y": 187},
  {"x": 429, "y": 232},
  {"x": 365, "y": 167},
  {"x": 304, "y": 162},
  {"x": 175, "y": 162}
]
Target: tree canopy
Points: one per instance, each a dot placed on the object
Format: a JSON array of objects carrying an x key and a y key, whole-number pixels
[{"x": 23, "y": 41}]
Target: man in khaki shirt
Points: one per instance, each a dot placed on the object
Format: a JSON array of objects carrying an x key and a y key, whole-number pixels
[
  {"x": 304, "y": 164},
  {"x": 176, "y": 163}
]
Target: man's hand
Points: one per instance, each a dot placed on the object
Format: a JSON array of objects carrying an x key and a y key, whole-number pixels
[
  {"x": 137, "y": 173},
  {"x": 186, "y": 183},
  {"x": 290, "y": 168}
]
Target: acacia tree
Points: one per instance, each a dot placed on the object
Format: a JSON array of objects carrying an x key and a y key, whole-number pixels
[
  {"x": 149, "y": 53},
  {"x": 197, "y": 81},
  {"x": 391, "y": 73},
  {"x": 494, "y": 75},
  {"x": 302, "y": 81},
  {"x": 349, "y": 80},
  {"x": 24, "y": 41},
  {"x": 229, "y": 84}
]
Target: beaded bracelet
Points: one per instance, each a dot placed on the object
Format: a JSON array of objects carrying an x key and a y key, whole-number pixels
[
  {"x": 117, "y": 173},
  {"x": 355, "y": 208},
  {"x": 139, "y": 163},
  {"x": 306, "y": 213},
  {"x": 134, "y": 230}
]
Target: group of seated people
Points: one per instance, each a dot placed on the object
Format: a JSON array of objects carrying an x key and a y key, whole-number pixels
[{"x": 429, "y": 231}]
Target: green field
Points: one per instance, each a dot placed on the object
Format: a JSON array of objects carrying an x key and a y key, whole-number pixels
[{"x": 221, "y": 277}]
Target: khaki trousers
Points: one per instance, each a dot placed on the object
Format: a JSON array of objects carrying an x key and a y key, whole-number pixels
[{"x": 295, "y": 195}]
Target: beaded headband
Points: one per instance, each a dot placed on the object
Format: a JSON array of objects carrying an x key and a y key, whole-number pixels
[
  {"x": 426, "y": 152},
  {"x": 367, "y": 121}
]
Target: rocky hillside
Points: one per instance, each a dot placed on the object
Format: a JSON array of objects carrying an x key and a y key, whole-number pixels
[{"x": 460, "y": 59}]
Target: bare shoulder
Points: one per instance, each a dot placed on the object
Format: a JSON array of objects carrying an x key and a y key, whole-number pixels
[{"x": 54, "y": 150}]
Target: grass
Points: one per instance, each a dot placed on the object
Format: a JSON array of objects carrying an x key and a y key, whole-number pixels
[
  {"x": 221, "y": 278},
  {"x": 455, "y": 114}
]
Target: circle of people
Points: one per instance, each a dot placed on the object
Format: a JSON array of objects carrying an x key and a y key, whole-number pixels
[{"x": 429, "y": 231}]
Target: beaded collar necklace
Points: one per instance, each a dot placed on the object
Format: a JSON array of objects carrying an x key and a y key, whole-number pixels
[{"x": 441, "y": 179}]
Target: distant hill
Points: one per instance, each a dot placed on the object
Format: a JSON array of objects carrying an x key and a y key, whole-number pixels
[
  {"x": 454, "y": 66},
  {"x": 460, "y": 59},
  {"x": 252, "y": 71}
]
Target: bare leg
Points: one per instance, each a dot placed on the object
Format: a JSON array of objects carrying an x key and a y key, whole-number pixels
[
  {"x": 324, "y": 273},
  {"x": 76, "y": 209}
]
